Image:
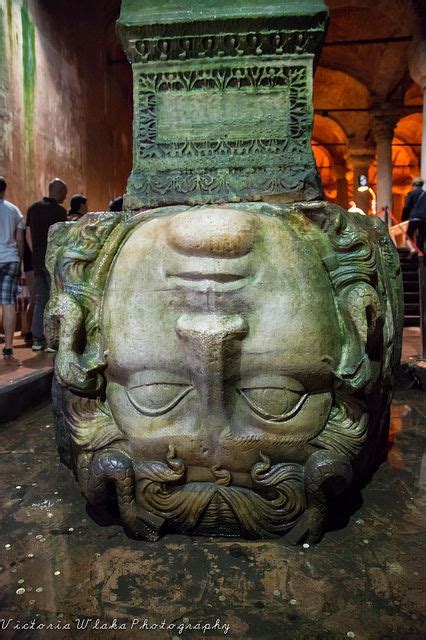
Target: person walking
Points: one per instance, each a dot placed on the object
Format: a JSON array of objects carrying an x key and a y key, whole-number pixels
[
  {"x": 25, "y": 301},
  {"x": 415, "y": 212},
  {"x": 40, "y": 216},
  {"x": 12, "y": 227}
]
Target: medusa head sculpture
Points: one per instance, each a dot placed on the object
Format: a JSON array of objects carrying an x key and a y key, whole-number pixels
[{"x": 224, "y": 370}]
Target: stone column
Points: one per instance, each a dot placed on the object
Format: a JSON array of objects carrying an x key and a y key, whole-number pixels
[
  {"x": 360, "y": 159},
  {"x": 341, "y": 185},
  {"x": 383, "y": 128},
  {"x": 417, "y": 65}
]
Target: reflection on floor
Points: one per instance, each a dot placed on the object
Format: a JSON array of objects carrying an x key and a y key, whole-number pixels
[
  {"x": 29, "y": 362},
  {"x": 411, "y": 344},
  {"x": 57, "y": 565}
]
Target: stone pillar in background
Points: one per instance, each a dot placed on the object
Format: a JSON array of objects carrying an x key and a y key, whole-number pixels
[
  {"x": 361, "y": 158},
  {"x": 383, "y": 128},
  {"x": 223, "y": 100},
  {"x": 417, "y": 65},
  {"x": 341, "y": 185}
]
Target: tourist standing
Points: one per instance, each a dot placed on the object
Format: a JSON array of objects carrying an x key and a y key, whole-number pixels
[
  {"x": 40, "y": 216},
  {"x": 11, "y": 252},
  {"x": 26, "y": 299},
  {"x": 415, "y": 212},
  {"x": 78, "y": 207},
  {"x": 116, "y": 204}
]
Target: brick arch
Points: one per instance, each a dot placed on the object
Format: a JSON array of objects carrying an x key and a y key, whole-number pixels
[
  {"x": 380, "y": 67},
  {"x": 337, "y": 89},
  {"x": 329, "y": 144}
]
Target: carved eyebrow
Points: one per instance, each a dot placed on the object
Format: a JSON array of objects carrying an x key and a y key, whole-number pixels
[
  {"x": 160, "y": 383},
  {"x": 156, "y": 376},
  {"x": 298, "y": 381},
  {"x": 270, "y": 381}
]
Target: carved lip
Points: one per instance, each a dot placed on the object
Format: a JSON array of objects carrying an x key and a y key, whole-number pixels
[{"x": 200, "y": 281}]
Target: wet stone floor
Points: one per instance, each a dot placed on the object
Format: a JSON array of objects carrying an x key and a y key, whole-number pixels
[{"x": 60, "y": 571}]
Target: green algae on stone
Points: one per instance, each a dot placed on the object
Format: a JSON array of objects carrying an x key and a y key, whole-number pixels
[
  {"x": 9, "y": 18},
  {"x": 4, "y": 111},
  {"x": 29, "y": 78},
  {"x": 3, "y": 65}
]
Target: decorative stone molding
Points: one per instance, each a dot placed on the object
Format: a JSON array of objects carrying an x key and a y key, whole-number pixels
[
  {"x": 278, "y": 43},
  {"x": 223, "y": 100}
]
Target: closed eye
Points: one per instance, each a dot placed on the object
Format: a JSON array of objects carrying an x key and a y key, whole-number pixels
[
  {"x": 274, "y": 404},
  {"x": 158, "y": 398}
]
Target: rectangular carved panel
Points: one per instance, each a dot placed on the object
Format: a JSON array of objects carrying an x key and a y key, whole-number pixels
[
  {"x": 219, "y": 115},
  {"x": 232, "y": 130}
]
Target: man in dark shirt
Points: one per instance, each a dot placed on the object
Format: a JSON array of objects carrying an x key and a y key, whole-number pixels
[
  {"x": 415, "y": 212},
  {"x": 40, "y": 216}
]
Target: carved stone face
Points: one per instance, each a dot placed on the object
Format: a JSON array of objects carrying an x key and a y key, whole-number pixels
[
  {"x": 224, "y": 369},
  {"x": 222, "y": 337}
]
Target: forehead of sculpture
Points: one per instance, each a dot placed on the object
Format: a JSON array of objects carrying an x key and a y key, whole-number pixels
[
  {"x": 228, "y": 236},
  {"x": 262, "y": 270},
  {"x": 263, "y": 251}
]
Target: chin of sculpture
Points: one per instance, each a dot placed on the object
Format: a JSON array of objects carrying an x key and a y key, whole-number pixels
[{"x": 224, "y": 370}]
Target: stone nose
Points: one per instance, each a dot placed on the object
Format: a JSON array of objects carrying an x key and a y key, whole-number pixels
[
  {"x": 213, "y": 232},
  {"x": 212, "y": 345}
]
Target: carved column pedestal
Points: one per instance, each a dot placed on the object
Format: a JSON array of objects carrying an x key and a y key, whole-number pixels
[{"x": 223, "y": 100}]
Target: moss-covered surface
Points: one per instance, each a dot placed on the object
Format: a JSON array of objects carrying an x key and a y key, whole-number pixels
[
  {"x": 2, "y": 52},
  {"x": 29, "y": 81},
  {"x": 9, "y": 22}
]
